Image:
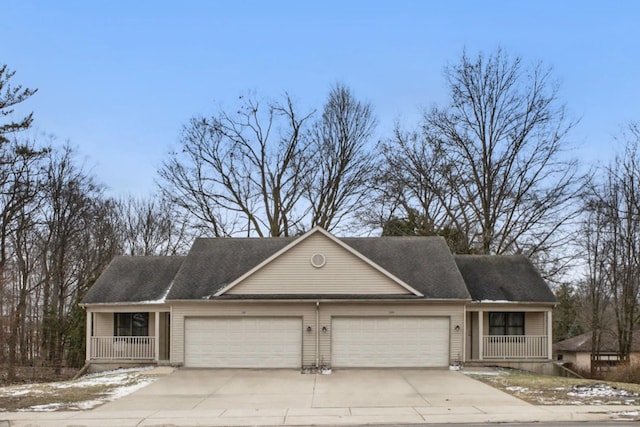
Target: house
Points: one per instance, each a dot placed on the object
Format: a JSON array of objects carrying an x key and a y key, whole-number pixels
[
  {"x": 319, "y": 301},
  {"x": 577, "y": 351}
]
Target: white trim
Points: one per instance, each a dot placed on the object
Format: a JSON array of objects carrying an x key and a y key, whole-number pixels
[
  {"x": 305, "y": 237},
  {"x": 480, "y": 333},
  {"x": 88, "y": 335},
  {"x": 463, "y": 331},
  {"x": 550, "y": 334},
  {"x": 157, "y": 335},
  {"x": 411, "y": 300}
]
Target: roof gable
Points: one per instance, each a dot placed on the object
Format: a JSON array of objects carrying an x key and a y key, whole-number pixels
[
  {"x": 214, "y": 263},
  {"x": 341, "y": 271},
  {"x": 425, "y": 263},
  {"x": 403, "y": 267}
]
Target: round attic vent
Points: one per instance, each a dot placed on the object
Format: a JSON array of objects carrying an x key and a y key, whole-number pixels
[{"x": 318, "y": 260}]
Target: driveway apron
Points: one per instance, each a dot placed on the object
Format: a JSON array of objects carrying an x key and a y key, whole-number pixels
[{"x": 274, "y": 391}]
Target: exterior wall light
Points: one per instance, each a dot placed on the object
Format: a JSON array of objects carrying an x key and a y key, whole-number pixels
[
  {"x": 308, "y": 328},
  {"x": 457, "y": 328},
  {"x": 324, "y": 329}
]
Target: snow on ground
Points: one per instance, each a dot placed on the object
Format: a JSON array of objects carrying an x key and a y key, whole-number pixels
[
  {"x": 488, "y": 372},
  {"x": 545, "y": 391},
  {"x": 599, "y": 390},
  {"x": 117, "y": 383}
]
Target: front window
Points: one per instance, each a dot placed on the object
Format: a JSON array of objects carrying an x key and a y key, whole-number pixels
[
  {"x": 506, "y": 323},
  {"x": 131, "y": 324}
]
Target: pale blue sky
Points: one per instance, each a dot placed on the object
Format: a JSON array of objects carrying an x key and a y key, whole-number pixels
[{"x": 119, "y": 78}]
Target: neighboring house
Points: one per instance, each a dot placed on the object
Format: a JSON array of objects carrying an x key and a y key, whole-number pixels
[
  {"x": 319, "y": 301},
  {"x": 577, "y": 351}
]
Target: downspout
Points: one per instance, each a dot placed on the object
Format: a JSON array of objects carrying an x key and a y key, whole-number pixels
[{"x": 317, "y": 334}]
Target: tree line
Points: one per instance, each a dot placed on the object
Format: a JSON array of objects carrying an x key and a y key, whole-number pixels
[{"x": 490, "y": 171}]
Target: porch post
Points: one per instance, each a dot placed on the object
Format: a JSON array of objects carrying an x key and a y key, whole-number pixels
[
  {"x": 480, "y": 334},
  {"x": 88, "y": 335},
  {"x": 549, "y": 335},
  {"x": 157, "y": 335}
]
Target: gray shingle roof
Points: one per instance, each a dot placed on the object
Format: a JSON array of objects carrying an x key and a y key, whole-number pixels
[
  {"x": 134, "y": 279},
  {"x": 583, "y": 343},
  {"x": 423, "y": 263},
  {"x": 503, "y": 278},
  {"x": 214, "y": 263}
]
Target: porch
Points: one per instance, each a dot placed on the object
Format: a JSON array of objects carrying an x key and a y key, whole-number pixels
[
  {"x": 123, "y": 348},
  {"x": 501, "y": 335},
  {"x": 128, "y": 336}
]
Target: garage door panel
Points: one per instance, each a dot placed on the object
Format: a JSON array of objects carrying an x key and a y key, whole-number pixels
[
  {"x": 390, "y": 342},
  {"x": 247, "y": 342}
]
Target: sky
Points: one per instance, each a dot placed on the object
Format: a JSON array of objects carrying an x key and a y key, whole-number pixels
[{"x": 118, "y": 79}]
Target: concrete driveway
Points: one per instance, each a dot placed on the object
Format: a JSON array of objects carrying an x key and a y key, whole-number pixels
[
  {"x": 190, "y": 397},
  {"x": 344, "y": 391}
]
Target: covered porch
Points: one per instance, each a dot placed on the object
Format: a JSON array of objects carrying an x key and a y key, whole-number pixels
[
  {"x": 135, "y": 335},
  {"x": 501, "y": 333}
]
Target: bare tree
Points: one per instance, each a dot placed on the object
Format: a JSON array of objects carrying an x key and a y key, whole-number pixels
[
  {"x": 151, "y": 227},
  {"x": 242, "y": 172},
  {"x": 19, "y": 186},
  {"x": 342, "y": 163},
  {"x": 595, "y": 287},
  {"x": 491, "y": 163},
  {"x": 616, "y": 202},
  {"x": 415, "y": 183},
  {"x": 11, "y": 95},
  {"x": 72, "y": 199}
]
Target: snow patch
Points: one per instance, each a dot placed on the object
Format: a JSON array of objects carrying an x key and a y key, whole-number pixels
[
  {"x": 160, "y": 300},
  {"x": 120, "y": 382},
  {"x": 487, "y": 373},
  {"x": 517, "y": 389},
  {"x": 628, "y": 413},
  {"x": 49, "y": 407},
  {"x": 598, "y": 390}
]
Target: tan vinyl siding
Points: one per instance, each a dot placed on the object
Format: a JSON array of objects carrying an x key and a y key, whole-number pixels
[
  {"x": 307, "y": 311},
  {"x": 343, "y": 273},
  {"x": 103, "y": 324},
  {"x": 534, "y": 324},
  {"x": 164, "y": 336},
  {"x": 472, "y": 333}
]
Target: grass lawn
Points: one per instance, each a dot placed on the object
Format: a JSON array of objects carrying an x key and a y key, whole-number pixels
[
  {"x": 551, "y": 390},
  {"x": 85, "y": 393}
]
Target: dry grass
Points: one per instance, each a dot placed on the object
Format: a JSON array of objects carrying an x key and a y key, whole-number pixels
[
  {"x": 551, "y": 390},
  {"x": 55, "y": 399},
  {"x": 84, "y": 393},
  {"x": 40, "y": 374}
]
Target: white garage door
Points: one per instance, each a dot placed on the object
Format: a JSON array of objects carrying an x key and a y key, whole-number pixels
[
  {"x": 390, "y": 342},
  {"x": 247, "y": 342}
]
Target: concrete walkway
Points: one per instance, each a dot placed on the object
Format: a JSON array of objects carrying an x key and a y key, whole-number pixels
[{"x": 286, "y": 397}]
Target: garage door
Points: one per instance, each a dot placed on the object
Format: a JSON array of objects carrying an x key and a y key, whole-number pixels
[
  {"x": 247, "y": 342},
  {"x": 390, "y": 342}
]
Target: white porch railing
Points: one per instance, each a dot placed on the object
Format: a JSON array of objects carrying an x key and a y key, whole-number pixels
[
  {"x": 133, "y": 348},
  {"x": 515, "y": 347}
]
